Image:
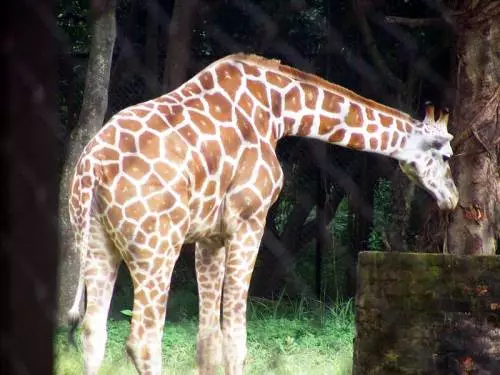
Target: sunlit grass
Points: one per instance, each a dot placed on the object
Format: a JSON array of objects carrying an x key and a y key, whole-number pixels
[{"x": 281, "y": 340}]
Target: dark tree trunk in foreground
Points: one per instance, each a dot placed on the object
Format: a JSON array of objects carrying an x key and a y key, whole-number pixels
[
  {"x": 475, "y": 225},
  {"x": 29, "y": 155},
  {"x": 95, "y": 102},
  {"x": 151, "y": 50},
  {"x": 179, "y": 37}
]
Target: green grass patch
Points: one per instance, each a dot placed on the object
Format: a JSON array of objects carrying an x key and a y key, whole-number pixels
[{"x": 284, "y": 337}]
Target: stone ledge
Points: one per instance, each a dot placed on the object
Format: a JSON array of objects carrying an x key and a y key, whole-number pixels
[{"x": 420, "y": 313}]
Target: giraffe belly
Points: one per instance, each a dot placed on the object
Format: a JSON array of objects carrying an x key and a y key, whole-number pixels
[{"x": 207, "y": 224}]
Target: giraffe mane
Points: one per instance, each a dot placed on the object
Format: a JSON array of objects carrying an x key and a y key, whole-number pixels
[
  {"x": 293, "y": 73},
  {"x": 256, "y": 59}
]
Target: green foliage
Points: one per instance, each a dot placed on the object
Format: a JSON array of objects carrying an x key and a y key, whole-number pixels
[
  {"x": 127, "y": 312},
  {"x": 381, "y": 214},
  {"x": 282, "y": 213},
  {"x": 182, "y": 305}
]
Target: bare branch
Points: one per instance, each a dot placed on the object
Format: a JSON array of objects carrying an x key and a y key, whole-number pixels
[{"x": 416, "y": 22}]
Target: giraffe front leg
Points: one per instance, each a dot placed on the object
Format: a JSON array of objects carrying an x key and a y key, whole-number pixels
[
  {"x": 151, "y": 276},
  {"x": 101, "y": 269},
  {"x": 241, "y": 255},
  {"x": 210, "y": 264}
]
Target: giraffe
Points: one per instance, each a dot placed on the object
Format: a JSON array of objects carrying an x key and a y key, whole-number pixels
[{"x": 198, "y": 165}]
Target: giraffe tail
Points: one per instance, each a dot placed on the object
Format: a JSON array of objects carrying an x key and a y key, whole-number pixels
[{"x": 85, "y": 197}]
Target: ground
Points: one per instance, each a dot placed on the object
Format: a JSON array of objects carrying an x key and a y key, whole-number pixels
[{"x": 304, "y": 341}]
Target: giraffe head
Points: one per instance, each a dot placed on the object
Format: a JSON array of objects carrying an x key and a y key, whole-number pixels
[{"x": 424, "y": 159}]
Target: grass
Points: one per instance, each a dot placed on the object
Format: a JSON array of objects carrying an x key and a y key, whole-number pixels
[{"x": 283, "y": 338}]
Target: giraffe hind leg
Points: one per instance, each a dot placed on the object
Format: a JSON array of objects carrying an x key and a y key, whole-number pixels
[
  {"x": 210, "y": 265},
  {"x": 151, "y": 275},
  {"x": 241, "y": 256},
  {"x": 100, "y": 271}
]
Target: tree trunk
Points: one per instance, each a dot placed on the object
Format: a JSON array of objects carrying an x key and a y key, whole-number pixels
[
  {"x": 151, "y": 51},
  {"x": 402, "y": 193},
  {"x": 180, "y": 32},
  {"x": 92, "y": 114},
  {"x": 361, "y": 220},
  {"x": 475, "y": 224},
  {"x": 323, "y": 240}
]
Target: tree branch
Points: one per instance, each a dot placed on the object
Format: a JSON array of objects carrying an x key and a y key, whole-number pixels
[{"x": 416, "y": 22}]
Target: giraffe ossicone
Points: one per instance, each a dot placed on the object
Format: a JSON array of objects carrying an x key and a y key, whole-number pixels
[{"x": 198, "y": 165}]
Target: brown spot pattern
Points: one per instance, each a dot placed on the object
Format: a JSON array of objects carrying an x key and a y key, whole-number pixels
[
  {"x": 140, "y": 112},
  {"x": 292, "y": 100},
  {"x": 305, "y": 125},
  {"x": 174, "y": 147},
  {"x": 369, "y": 114},
  {"x": 246, "y": 103},
  {"x": 202, "y": 122},
  {"x": 212, "y": 153},
  {"x": 208, "y": 206},
  {"x": 127, "y": 143},
  {"x": 176, "y": 96},
  {"x": 107, "y": 154},
  {"x": 219, "y": 107},
  {"x": 229, "y": 78},
  {"x": 354, "y": 117},
  {"x": 278, "y": 80},
  {"x": 149, "y": 145},
  {"x": 357, "y": 141},
  {"x": 189, "y": 135},
  {"x": 108, "y": 134},
  {"x": 289, "y": 123},
  {"x": 174, "y": 118},
  {"x": 207, "y": 81},
  {"x": 195, "y": 103},
  {"x": 124, "y": 191},
  {"x": 135, "y": 166},
  {"x": 251, "y": 70},
  {"x": 199, "y": 171},
  {"x": 160, "y": 202},
  {"x": 261, "y": 120},
  {"x": 210, "y": 188},
  {"x": 276, "y": 103},
  {"x": 337, "y": 136},
  {"x": 264, "y": 183},
  {"x": 259, "y": 91},
  {"x": 327, "y": 124},
  {"x": 332, "y": 102},
  {"x": 395, "y": 137},
  {"x": 247, "y": 130},
  {"x": 164, "y": 171},
  {"x": 86, "y": 182},
  {"x": 310, "y": 95},
  {"x": 231, "y": 141},
  {"x": 157, "y": 123},
  {"x": 135, "y": 210},
  {"x": 246, "y": 202},
  {"x": 385, "y": 141},
  {"x": 386, "y": 120},
  {"x": 190, "y": 89}
]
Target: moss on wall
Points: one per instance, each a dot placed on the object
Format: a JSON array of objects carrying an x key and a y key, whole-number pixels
[{"x": 419, "y": 313}]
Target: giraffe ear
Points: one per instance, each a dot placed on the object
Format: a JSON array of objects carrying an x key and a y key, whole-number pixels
[{"x": 436, "y": 141}]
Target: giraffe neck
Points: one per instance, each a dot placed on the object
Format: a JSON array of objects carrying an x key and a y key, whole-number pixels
[
  {"x": 276, "y": 100},
  {"x": 341, "y": 117}
]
